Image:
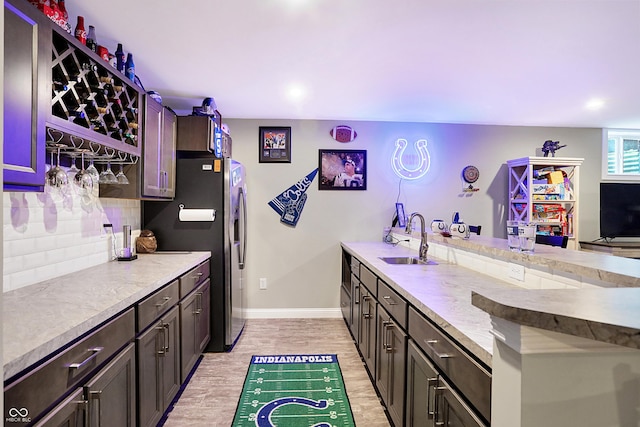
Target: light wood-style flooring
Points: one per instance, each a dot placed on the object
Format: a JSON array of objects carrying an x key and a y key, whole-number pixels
[{"x": 211, "y": 396}]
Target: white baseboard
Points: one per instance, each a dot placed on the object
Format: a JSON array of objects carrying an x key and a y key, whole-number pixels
[{"x": 293, "y": 313}]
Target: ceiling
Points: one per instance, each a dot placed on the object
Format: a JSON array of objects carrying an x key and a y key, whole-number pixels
[{"x": 573, "y": 63}]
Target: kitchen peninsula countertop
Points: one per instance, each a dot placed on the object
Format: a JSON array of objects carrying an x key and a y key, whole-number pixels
[
  {"x": 442, "y": 292},
  {"x": 611, "y": 271},
  {"x": 39, "y": 319}
]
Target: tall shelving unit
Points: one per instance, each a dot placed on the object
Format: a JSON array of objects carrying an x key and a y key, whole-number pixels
[{"x": 549, "y": 201}]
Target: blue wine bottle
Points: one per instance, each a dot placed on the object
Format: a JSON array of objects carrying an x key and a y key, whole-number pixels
[
  {"x": 130, "y": 67},
  {"x": 120, "y": 59}
]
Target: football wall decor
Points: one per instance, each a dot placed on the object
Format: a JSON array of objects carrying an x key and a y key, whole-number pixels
[{"x": 343, "y": 133}]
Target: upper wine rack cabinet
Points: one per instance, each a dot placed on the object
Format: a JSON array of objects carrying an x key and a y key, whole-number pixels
[{"x": 91, "y": 99}]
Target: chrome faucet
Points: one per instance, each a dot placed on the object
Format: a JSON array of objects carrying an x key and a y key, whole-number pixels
[{"x": 424, "y": 246}]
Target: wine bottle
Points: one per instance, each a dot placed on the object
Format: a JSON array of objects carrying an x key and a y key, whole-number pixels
[
  {"x": 120, "y": 61},
  {"x": 89, "y": 66},
  {"x": 81, "y": 33},
  {"x": 92, "y": 42},
  {"x": 130, "y": 67},
  {"x": 60, "y": 86},
  {"x": 77, "y": 114}
]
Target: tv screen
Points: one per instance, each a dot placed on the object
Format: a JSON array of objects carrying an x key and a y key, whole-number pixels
[{"x": 619, "y": 210}]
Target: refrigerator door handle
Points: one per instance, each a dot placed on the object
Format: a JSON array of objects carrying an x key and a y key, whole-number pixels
[{"x": 243, "y": 253}]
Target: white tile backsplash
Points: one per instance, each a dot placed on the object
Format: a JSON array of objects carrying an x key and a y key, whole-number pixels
[{"x": 47, "y": 236}]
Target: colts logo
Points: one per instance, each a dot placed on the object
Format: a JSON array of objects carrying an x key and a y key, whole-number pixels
[
  {"x": 411, "y": 165},
  {"x": 263, "y": 417}
]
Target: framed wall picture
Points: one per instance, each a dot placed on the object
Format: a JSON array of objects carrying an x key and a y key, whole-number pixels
[
  {"x": 274, "y": 144},
  {"x": 342, "y": 169}
]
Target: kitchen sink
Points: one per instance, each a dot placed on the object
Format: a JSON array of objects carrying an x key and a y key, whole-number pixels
[{"x": 407, "y": 260}]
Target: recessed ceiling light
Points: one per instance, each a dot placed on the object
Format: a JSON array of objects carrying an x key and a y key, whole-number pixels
[
  {"x": 296, "y": 92},
  {"x": 595, "y": 104}
]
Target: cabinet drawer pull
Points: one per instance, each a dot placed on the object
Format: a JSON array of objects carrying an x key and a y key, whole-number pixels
[
  {"x": 164, "y": 301},
  {"x": 388, "y": 300},
  {"x": 94, "y": 352},
  {"x": 198, "y": 275},
  {"x": 430, "y": 345}
]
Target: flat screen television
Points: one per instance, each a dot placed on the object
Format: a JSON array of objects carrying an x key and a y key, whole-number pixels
[{"x": 619, "y": 210}]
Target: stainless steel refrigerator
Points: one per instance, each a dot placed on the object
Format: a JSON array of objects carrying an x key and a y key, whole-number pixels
[{"x": 209, "y": 214}]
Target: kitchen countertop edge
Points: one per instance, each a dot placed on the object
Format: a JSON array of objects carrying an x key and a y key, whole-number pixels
[{"x": 46, "y": 325}]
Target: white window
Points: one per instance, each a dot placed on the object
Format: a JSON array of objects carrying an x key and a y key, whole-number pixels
[{"x": 621, "y": 155}]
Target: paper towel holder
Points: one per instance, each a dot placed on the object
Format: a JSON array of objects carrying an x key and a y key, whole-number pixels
[{"x": 196, "y": 214}]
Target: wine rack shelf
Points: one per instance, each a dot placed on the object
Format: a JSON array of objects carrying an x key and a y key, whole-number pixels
[{"x": 92, "y": 100}]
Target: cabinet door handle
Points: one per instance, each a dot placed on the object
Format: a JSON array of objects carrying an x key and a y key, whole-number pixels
[
  {"x": 430, "y": 345},
  {"x": 167, "y": 337},
  {"x": 356, "y": 297},
  {"x": 437, "y": 412},
  {"x": 386, "y": 324},
  {"x": 95, "y": 395},
  {"x": 160, "y": 337},
  {"x": 165, "y": 300},
  {"x": 432, "y": 383},
  {"x": 198, "y": 303},
  {"x": 389, "y": 300},
  {"x": 388, "y": 332},
  {"x": 94, "y": 353},
  {"x": 366, "y": 315}
]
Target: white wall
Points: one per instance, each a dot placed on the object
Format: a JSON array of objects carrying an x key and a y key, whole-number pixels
[{"x": 302, "y": 264}]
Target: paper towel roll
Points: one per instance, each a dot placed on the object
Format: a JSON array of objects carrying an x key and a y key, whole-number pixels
[{"x": 197, "y": 215}]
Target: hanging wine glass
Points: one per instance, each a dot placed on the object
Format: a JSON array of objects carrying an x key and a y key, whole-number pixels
[
  {"x": 56, "y": 176},
  {"x": 92, "y": 171},
  {"x": 73, "y": 169},
  {"x": 84, "y": 182},
  {"x": 107, "y": 176},
  {"x": 121, "y": 177}
]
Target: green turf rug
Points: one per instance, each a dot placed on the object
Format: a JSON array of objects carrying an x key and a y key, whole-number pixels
[{"x": 294, "y": 391}]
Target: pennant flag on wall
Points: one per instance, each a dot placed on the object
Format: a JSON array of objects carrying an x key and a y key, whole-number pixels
[{"x": 290, "y": 202}]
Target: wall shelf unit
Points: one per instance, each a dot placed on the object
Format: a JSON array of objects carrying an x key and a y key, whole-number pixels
[{"x": 544, "y": 190}]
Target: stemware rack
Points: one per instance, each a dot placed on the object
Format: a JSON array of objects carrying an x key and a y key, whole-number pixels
[{"x": 92, "y": 100}]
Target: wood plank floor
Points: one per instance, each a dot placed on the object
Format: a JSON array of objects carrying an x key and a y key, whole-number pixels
[{"x": 211, "y": 396}]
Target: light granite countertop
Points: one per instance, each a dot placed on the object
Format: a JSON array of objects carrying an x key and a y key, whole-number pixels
[
  {"x": 605, "y": 268},
  {"x": 606, "y": 315},
  {"x": 39, "y": 319},
  {"x": 442, "y": 292},
  {"x": 461, "y": 300}
]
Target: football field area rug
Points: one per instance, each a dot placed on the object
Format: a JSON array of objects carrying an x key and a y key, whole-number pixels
[{"x": 294, "y": 391}]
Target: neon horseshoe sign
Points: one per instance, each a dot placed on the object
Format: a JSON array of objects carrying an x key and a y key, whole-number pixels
[
  {"x": 263, "y": 417},
  {"x": 423, "y": 160}
]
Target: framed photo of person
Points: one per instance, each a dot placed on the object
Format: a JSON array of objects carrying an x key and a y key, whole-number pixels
[
  {"x": 274, "y": 144},
  {"x": 342, "y": 169}
]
